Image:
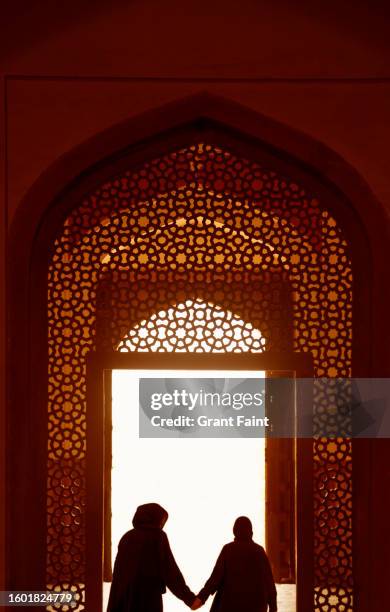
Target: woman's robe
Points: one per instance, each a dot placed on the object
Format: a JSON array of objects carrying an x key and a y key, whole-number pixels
[
  {"x": 242, "y": 580},
  {"x": 145, "y": 566}
]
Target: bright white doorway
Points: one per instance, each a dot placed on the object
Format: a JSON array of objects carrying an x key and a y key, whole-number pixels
[{"x": 203, "y": 483}]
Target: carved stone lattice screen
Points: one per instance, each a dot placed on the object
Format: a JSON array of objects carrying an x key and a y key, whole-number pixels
[
  {"x": 202, "y": 225},
  {"x": 195, "y": 327}
]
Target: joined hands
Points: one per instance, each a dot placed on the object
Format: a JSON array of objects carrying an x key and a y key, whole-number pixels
[{"x": 196, "y": 604}]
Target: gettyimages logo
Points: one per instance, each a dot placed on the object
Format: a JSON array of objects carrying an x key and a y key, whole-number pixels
[
  {"x": 202, "y": 399},
  {"x": 239, "y": 407},
  {"x": 202, "y": 407}
]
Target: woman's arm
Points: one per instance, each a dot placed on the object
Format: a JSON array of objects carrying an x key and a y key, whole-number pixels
[
  {"x": 174, "y": 578},
  {"x": 215, "y": 579}
]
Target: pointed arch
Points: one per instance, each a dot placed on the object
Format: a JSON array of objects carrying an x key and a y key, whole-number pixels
[{"x": 130, "y": 145}]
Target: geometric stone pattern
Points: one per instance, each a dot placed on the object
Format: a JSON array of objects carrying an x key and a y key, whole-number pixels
[{"x": 204, "y": 226}]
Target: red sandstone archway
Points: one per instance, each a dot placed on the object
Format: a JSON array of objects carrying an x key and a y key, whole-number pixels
[{"x": 199, "y": 119}]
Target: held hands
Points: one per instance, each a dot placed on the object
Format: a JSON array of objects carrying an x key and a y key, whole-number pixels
[{"x": 197, "y": 603}]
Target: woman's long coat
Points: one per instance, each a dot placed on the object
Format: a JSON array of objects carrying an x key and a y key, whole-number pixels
[
  {"x": 145, "y": 566},
  {"x": 242, "y": 580}
]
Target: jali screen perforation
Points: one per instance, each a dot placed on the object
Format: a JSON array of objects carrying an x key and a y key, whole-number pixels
[{"x": 203, "y": 226}]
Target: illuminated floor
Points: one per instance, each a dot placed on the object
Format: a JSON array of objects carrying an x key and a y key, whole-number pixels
[{"x": 286, "y": 598}]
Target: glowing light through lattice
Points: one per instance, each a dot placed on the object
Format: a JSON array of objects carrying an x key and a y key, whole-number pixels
[{"x": 194, "y": 326}]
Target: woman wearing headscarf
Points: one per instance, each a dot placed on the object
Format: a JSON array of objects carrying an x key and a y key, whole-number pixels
[
  {"x": 144, "y": 566},
  {"x": 242, "y": 577}
]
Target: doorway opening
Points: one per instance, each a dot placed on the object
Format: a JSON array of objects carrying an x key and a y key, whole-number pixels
[{"x": 204, "y": 483}]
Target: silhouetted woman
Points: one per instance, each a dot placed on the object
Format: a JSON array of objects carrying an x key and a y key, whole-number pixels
[
  {"x": 242, "y": 577},
  {"x": 145, "y": 566}
]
